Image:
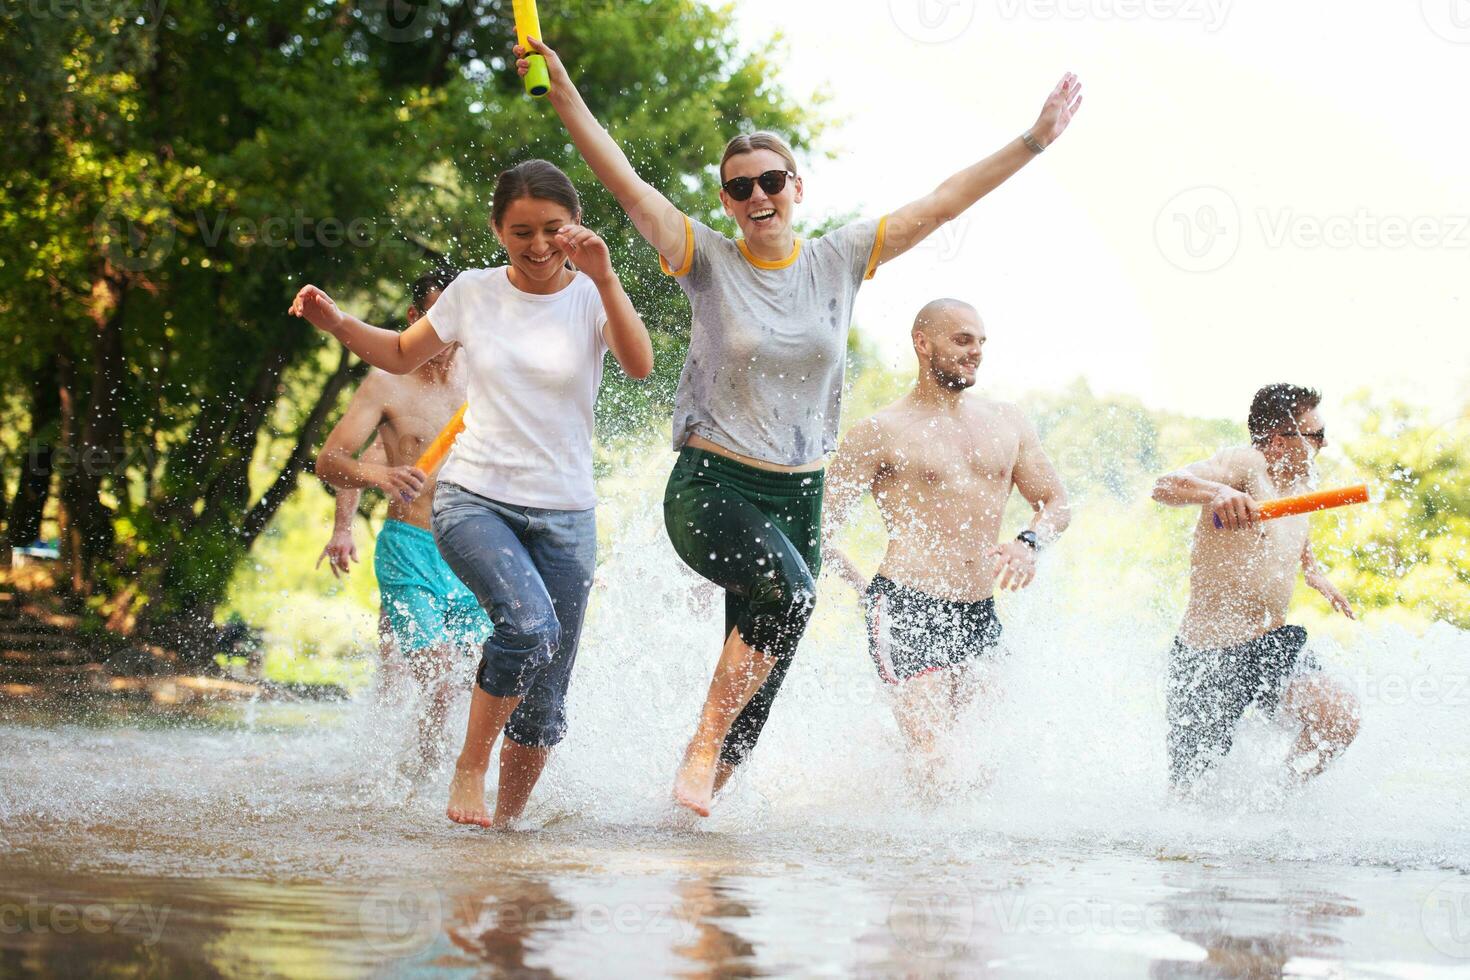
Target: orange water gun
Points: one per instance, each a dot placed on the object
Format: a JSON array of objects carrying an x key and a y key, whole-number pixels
[
  {"x": 1308, "y": 503},
  {"x": 439, "y": 448}
]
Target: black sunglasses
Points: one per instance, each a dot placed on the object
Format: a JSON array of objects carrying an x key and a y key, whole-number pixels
[{"x": 772, "y": 182}]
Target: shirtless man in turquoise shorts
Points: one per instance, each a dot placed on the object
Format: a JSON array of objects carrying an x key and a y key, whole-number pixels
[{"x": 430, "y": 614}]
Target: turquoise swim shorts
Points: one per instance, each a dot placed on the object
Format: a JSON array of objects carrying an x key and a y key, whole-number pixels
[{"x": 425, "y": 604}]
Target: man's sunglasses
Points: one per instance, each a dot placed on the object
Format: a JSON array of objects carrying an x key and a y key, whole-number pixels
[
  {"x": 1319, "y": 437},
  {"x": 772, "y": 182}
]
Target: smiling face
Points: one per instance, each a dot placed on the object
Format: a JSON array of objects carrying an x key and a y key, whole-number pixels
[
  {"x": 949, "y": 340},
  {"x": 527, "y": 232},
  {"x": 764, "y": 218},
  {"x": 1296, "y": 448}
]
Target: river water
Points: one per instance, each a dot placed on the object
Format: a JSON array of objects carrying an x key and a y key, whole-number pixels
[{"x": 281, "y": 839}]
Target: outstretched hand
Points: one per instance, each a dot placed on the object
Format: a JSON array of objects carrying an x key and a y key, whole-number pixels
[
  {"x": 317, "y": 308},
  {"x": 560, "y": 80},
  {"x": 1334, "y": 598},
  {"x": 340, "y": 551},
  {"x": 1059, "y": 109}
]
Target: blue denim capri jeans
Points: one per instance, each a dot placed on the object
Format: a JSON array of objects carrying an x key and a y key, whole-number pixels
[{"x": 531, "y": 570}]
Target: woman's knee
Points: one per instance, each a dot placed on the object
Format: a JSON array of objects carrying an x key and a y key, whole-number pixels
[
  {"x": 519, "y": 649},
  {"x": 788, "y": 593}
]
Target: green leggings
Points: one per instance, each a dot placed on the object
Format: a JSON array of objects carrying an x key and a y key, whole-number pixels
[{"x": 757, "y": 535}]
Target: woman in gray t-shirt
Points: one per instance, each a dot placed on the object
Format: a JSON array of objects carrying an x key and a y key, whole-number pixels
[{"x": 759, "y": 398}]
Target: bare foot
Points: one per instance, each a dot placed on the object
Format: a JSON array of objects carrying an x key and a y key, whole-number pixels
[
  {"x": 694, "y": 786},
  {"x": 467, "y": 798}
]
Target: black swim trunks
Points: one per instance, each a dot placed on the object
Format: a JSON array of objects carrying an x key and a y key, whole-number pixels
[
  {"x": 1209, "y": 691},
  {"x": 912, "y": 633}
]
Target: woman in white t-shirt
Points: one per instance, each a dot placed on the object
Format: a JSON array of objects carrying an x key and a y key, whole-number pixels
[{"x": 513, "y": 509}]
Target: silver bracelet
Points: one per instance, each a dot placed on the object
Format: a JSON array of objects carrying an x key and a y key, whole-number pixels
[{"x": 1031, "y": 143}]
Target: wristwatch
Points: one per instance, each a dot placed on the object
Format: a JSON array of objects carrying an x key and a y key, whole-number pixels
[{"x": 1029, "y": 539}]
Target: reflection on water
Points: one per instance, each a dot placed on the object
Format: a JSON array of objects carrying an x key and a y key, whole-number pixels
[{"x": 693, "y": 908}]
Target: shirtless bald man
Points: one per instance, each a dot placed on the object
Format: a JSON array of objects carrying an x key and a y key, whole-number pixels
[
  {"x": 941, "y": 462},
  {"x": 1234, "y": 648}
]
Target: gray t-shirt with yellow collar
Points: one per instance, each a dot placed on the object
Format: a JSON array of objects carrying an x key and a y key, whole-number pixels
[{"x": 768, "y": 346}]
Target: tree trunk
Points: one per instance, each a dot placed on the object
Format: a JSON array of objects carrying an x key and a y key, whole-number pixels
[
  {"x": 33, "y": 484},
  {"x": 5, "y": 547},
  {"x": 303, "y": 454},
  {"x": 100, "y": 444}
]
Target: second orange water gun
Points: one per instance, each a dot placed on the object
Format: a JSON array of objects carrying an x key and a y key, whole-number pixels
[
  {"x": 439, "y": 448},
  {"x": 1308, "y": 503}
]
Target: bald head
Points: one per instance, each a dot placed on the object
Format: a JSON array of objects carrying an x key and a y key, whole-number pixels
[
  {"x": 944, "y": 314},
  {"x": 948, "y": 341}
]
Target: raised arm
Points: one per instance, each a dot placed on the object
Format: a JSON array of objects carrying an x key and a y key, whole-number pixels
[
  {"x": 1215, "y": 484},
  {"x": 916, "y": 221},
  {"x": 394, "y": 352},
  {"x": 337, "y": 462},
  {"x": 851, "y": 475},
  {"x": 657, "y": 220}
]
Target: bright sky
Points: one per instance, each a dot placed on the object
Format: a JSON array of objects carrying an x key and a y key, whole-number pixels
[{"x": 1252, "y": 192}]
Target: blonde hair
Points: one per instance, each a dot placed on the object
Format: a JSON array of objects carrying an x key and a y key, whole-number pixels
[{"x": 762, "y": 140}]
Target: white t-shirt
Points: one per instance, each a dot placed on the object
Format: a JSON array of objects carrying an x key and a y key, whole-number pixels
[{"x": 535, "y": 364}]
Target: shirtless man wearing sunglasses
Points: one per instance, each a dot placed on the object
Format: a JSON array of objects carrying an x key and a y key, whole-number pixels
[{"x": 1234, "y": 648}]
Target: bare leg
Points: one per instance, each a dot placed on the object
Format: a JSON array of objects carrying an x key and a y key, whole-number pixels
[
  {"x": 520, "y": 767},
  {"x": 723, "y": 772},
  {"x": 431, "y": 670},
  {"x": 739, "y": 674},
  {"x": 924, "y": 709},
  {"x": 390, "y": 666},
  {"x": 488, "y": 715},
  {"x": 971, "y": 683},
  {"x": 1329, "y": 719}
]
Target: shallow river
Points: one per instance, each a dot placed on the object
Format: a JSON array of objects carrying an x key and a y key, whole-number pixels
[{"x": 276, "y": 839}]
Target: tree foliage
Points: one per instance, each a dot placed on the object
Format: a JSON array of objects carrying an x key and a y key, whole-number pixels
[{"x": 174, "y": 171}]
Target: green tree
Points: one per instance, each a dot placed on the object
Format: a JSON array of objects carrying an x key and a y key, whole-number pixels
[{"x": 173, "y": 172}]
